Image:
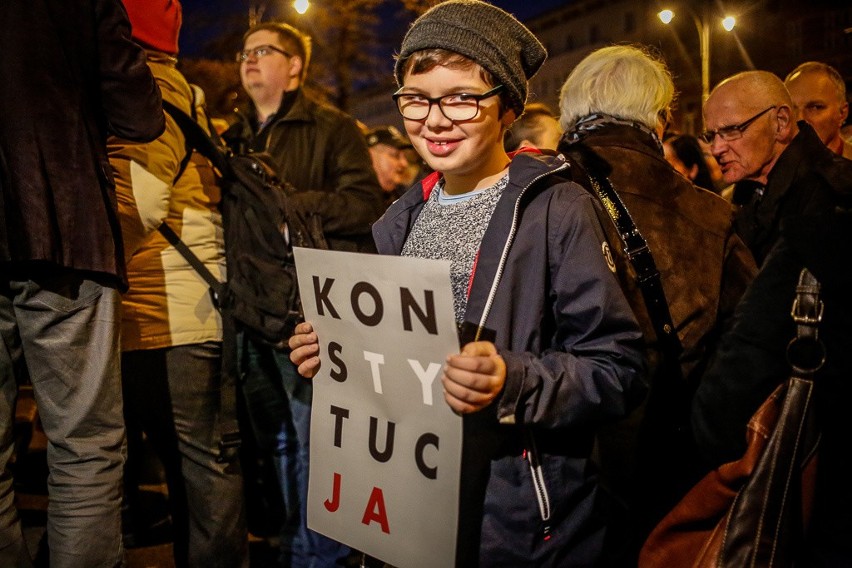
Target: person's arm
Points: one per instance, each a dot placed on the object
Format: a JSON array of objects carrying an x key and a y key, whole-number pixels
[
  {"x": 129, "y": 96},
  {"x": 356, "y": 201},
  {"x": 749, "y": 363},
  {"x": 738, "y": 272},
  {"x": 593, "y": 372}
]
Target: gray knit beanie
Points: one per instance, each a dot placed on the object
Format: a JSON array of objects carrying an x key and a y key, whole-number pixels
[{"x": 484, "y": 33}]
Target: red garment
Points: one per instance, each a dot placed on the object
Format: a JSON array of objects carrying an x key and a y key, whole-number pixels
[{"x": 156, "y": 23}]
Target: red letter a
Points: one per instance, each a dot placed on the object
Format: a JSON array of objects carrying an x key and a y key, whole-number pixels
[
  {"x": 332, "y": 506},
  {"x": 375, "y": 510}
]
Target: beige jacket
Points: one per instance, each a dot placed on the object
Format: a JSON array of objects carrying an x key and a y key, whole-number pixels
[{"x": 168, "y": 302}]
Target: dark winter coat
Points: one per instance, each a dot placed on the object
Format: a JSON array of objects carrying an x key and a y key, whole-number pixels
[
  {"x": 805, "y": 179},
  {"x": 70, "y": 75},
  {"x": 572, "y": 348},
  {"x": 752, "y": 362},
  {"x": 321, "y": 152}
]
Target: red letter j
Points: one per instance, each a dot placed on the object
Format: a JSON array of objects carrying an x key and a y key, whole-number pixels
[{"x": 332, "y": 506}]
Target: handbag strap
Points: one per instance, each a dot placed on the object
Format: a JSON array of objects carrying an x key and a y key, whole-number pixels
[
  {"x": 647, "y": 276},
  {"x": 806, "y": 352},
  {"x": 767, "y": 522}
]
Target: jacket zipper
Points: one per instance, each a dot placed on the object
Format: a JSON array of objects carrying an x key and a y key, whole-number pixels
[
  {"x": 505, "y": 254},
  {"x": 532, "y": 453},
  {"x": 538, "y": 482}
]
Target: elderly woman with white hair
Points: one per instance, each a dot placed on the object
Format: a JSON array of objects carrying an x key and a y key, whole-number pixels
[{"x": 614, "y": 108}]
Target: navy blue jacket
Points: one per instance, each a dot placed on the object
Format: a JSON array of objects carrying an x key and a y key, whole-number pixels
[{"x": 573, "y": 350}]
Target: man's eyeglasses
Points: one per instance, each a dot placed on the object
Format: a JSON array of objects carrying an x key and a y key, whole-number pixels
[
  {"x": 260, "y": 51},
  {"x": 728, "y": 133},
  {"x": 456, "y": 107}
]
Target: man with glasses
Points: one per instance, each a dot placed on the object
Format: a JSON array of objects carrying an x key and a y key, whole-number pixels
[
  {"x": 781, "y": 168},
  {"x": 322, "y": 153}
]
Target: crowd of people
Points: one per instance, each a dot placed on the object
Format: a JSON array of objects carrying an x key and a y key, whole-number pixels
[{"x": 622, "y": 290}]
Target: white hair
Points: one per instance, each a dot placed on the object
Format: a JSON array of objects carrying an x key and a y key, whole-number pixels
[{"x": 620, "y": 80}]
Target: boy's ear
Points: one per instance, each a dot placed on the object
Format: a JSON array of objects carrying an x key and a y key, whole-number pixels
[{"x": 508, "y": 118}]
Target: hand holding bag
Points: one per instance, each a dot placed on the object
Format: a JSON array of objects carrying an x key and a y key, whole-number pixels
[{"x": 754, "y": 511}]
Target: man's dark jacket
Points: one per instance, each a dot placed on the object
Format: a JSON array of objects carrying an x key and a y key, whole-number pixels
[
  {"x": 805, "y": 180},
  {"x": 321, "y": 152},
  {"x": 751, "y": 362},
  {"x": 704, "y": 269},
  {"x": 70, "y": 75}
]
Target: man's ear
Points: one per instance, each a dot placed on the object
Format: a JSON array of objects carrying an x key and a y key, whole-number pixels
[
  {"x": 296, "y": 64},
  {"x": 693, "y": 172},
  {"x": 786, "y": 124},
  {"x": 844, "y": 112}
]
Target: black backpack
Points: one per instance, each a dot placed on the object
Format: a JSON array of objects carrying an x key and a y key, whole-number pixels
[{"x": 262, "y": 225}]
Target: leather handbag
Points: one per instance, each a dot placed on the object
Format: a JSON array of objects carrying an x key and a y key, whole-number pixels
[{"x": 754, "y": 511}]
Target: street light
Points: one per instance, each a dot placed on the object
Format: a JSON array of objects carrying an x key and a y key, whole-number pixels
[
  {"x": 703, "y": 27},
  {"x": 301, "y": 6}
]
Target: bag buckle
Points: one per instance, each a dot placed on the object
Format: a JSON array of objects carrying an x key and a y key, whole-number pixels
[
  {"x": 229, "y": 447},
  {"x": 806, "y": 316}
]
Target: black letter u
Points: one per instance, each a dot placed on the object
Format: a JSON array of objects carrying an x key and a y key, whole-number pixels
[{"x": 386, "y": 454}]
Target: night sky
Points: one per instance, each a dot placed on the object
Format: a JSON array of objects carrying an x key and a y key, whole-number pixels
[{"x": 192, "y": 44}]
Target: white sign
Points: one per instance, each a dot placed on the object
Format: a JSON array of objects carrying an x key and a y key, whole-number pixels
[{"x": 385, "y": 447}]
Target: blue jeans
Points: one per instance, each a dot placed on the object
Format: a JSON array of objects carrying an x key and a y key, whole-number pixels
[
  {"x": 300, "y": 546},
  {"x": 62, "y": 328}
]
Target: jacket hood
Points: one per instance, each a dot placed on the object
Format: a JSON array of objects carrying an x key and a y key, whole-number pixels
[{"x": 526, "y": 168}]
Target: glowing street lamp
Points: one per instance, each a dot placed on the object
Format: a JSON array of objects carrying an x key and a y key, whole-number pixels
[
  {"x": 703, "y": 27},
  {"x": 301, "y": 6}
]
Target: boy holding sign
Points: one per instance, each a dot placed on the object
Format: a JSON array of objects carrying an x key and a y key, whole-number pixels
[{"x": 551, "y": 348}]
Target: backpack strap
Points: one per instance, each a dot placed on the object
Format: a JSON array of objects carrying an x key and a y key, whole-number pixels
[
  {"x": 197, "y": 139},
  {"x": 647, "y": 276},
  {"x": 187, "y": 124},
  {"x": 188, "y": 149},
  {"x": 216, "y": 287}
]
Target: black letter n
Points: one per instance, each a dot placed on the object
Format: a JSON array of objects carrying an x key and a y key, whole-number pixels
[{"x": 426, "y": 317}]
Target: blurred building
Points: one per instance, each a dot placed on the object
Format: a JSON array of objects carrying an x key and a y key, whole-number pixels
[{"x": 775, "y": 35}]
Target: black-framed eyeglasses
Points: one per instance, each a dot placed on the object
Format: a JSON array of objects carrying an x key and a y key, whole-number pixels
[
  {"x": 735, "y": 132},
  {"x": 260, "y": 51},
  {"x": 456, "y": 106}
]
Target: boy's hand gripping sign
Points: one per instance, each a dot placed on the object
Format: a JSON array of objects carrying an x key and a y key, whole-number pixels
[{"x": 385, "y": 447}]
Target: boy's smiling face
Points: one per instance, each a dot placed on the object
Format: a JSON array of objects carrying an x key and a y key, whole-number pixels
[{"x": 463, "y": 151}]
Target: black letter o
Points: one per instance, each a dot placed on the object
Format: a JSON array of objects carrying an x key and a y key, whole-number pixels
[{"x": 367, "y": 288}]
